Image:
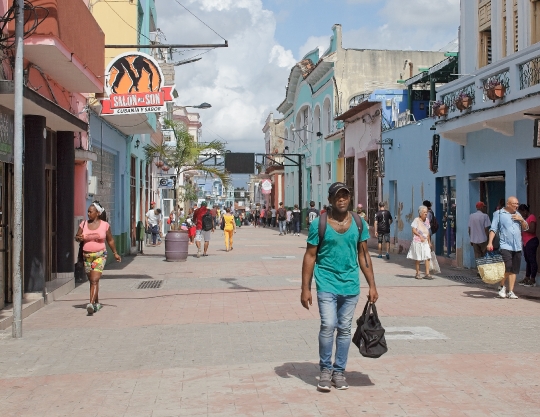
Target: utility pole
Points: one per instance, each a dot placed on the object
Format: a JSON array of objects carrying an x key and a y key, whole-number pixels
[{"x": 18, "y": 168}]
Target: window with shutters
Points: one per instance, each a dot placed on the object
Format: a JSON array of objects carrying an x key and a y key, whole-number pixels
[
  {"x": 515, "y": 25},
  {"x": 484, "y": 26},
  {"x": 535, "y": 21}
]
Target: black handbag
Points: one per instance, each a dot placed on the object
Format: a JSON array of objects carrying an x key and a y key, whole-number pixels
[
  {"x": 369, "y": 334},
  {"x": 80, "y": 273}
]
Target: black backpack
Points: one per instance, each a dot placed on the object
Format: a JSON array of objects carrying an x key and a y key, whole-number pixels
[
  {"x": 207, "y": 222},
  {"x": 434, "y": 224}
]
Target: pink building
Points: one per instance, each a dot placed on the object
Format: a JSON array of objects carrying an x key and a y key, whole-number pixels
[{"x": 62, "y": 67}]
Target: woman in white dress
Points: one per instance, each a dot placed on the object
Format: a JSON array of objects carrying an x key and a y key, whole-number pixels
[{"x": 420, "y": 249}]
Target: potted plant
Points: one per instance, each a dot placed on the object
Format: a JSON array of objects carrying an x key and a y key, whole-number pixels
[
  {"x": 495, "y": 90},
  {"x": 186, "y": 154},
  {"x": 463, "y": 101},
  {"x": 439, "y": 109}
]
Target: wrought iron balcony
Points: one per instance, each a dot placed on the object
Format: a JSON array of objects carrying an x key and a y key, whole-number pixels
[{"x": 500, "y": 94}]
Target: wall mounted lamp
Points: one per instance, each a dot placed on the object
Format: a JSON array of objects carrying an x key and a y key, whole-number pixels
[{"x": 137, "y": 143}]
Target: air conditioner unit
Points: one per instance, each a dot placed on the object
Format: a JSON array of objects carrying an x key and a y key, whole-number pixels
[{"x": 92, "y": 186}]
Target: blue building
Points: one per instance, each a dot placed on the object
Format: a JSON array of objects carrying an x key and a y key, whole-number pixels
[{"x": 486, "y": 142}]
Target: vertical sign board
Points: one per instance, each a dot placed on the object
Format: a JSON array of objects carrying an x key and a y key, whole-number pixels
[
  {"x": 381, "y": 162},
  {"x": 536, "y": 142},
  {"x": 435, "y": 153},
  {"x": 6, "y": 135}
]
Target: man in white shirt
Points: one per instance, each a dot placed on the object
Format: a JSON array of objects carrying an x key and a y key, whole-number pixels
[
  {"x": 153, "y": 222},
  {"x": 479, "y": 224}
]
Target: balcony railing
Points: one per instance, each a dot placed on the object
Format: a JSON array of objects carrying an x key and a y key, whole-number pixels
[
  {"x": 68, "y": 44},
  {"x": 519, "y": 73},
  {"x": 529, "y": 73}
]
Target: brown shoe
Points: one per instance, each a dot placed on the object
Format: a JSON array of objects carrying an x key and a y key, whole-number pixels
[{"x": 417, "y": 276}]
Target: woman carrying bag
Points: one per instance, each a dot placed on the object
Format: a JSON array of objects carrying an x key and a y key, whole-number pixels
[
  {"x": 93, "y": 233},
  {"x": 420, "y": 249}
]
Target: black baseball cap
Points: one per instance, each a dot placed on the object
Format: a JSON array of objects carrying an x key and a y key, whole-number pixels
[{"x": 335, "y": 187}]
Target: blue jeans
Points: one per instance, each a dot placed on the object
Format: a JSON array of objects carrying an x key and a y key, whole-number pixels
[
  {"x": 155, "y": 233},
  {"x": 296, "y": 226},
  {"x": 336, "y": 314},
  {"x": 282, "y": 226}
]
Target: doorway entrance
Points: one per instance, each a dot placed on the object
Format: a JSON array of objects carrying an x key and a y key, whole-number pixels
[
  {"x": 446, "y": 236},
  {"x": 6, "y": 215}
]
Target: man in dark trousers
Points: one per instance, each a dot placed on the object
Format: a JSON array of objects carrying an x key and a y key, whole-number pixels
[
  {"x": 336, "y": 262},
  {"x": 383, "y": 220},
  {"x": 312, "y": 213}
]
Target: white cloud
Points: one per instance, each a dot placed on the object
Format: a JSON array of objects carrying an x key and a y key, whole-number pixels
[
  {"x": 418, "y": 25},
  {"x": 243, "y": 82}
]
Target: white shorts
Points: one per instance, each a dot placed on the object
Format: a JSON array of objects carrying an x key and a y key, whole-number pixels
[{"x": 201, "y": 235}]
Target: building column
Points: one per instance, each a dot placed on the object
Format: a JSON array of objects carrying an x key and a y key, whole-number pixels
[
  {"x": 34, "y": 203},
  {"x": 65, "y": 174}
]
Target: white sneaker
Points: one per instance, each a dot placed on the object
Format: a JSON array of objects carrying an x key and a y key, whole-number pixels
[
  {"x": 511, "y": 295},
  {"x": 502, "y": 291}
]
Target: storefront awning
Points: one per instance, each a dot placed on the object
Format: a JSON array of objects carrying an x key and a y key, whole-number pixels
[{"x": 58, "y": 119}]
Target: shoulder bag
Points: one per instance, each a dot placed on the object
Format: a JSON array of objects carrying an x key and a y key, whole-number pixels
[
  {"x": 80, "y": 273},
  {"x": 369, "y": 334}
]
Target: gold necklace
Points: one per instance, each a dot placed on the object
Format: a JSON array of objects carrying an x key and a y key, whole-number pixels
[{"x": 344, "y": 222}]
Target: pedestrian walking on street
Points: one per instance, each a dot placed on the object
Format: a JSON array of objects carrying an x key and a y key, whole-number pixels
[
  {"x": 360, "y": 211},
  {"x": 281, "y": 215},
  {"x": 153, "y": 222},
  {"x": 289, "y": 220},
  {"x": 530, "y": 246},
  {"x": 296, "y": 218},
  {"x": 273, "y": 214},
  {"x": 257, "y": 216},
  {"x": 263, "y": 217},
  {"x": 420, "y": 249},
  {"x": 93, "y": 233},
  {"x": 229, "y": 229},
  {"x": 479, "y": 224},
  {"x": 312, "y": 213},
  {"x": 335, "y": 262},
  {"x": 383, "y": 220},
  {"x": 509, "y": 224},
  {"x": 204, "y": 226}
]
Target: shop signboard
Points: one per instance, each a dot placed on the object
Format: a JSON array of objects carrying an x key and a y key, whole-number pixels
[{"x": 134, "y": 82}]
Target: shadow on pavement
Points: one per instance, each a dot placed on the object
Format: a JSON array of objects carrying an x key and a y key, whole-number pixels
[
  {"x": 234, "y": 285},
  {"x": 481, "y": 294},
  {"x": 126, "y": 276},
  {"x": 83, "y": 306},
  {"x": 308, "y": 372}
]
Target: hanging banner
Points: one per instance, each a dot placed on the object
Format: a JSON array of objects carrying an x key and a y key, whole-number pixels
[
  {"x": 434, "y": 155},
  {"x": 266, "y": 186},
  {"x": 381, "y": 162},
  {"x": 134, "y": 83}
]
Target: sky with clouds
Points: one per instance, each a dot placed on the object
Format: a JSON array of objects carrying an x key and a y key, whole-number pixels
[{"x": 247, "y": 80}]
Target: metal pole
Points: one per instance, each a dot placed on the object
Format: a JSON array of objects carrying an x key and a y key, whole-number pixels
[
  {"x": 300, "y": 197},
  {"x": 18, "y": 171}
]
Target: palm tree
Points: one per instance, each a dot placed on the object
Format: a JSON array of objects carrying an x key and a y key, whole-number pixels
[{"x": 187, "y": 155}]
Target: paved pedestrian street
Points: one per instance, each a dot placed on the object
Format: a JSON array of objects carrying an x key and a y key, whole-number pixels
[{"x": 225, "y": 335}]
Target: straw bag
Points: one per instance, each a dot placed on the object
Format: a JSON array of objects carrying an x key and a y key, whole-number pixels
[{"x": 491, "y": 268}]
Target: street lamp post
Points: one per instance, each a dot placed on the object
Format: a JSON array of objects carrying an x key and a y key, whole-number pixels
[{"x": 200, "y": 106}]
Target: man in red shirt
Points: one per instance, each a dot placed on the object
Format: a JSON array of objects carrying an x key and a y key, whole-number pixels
[{"x": 200, "y": 233}]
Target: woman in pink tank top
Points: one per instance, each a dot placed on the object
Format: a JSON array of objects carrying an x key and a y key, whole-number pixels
[{"x": 93, "y": 233}]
